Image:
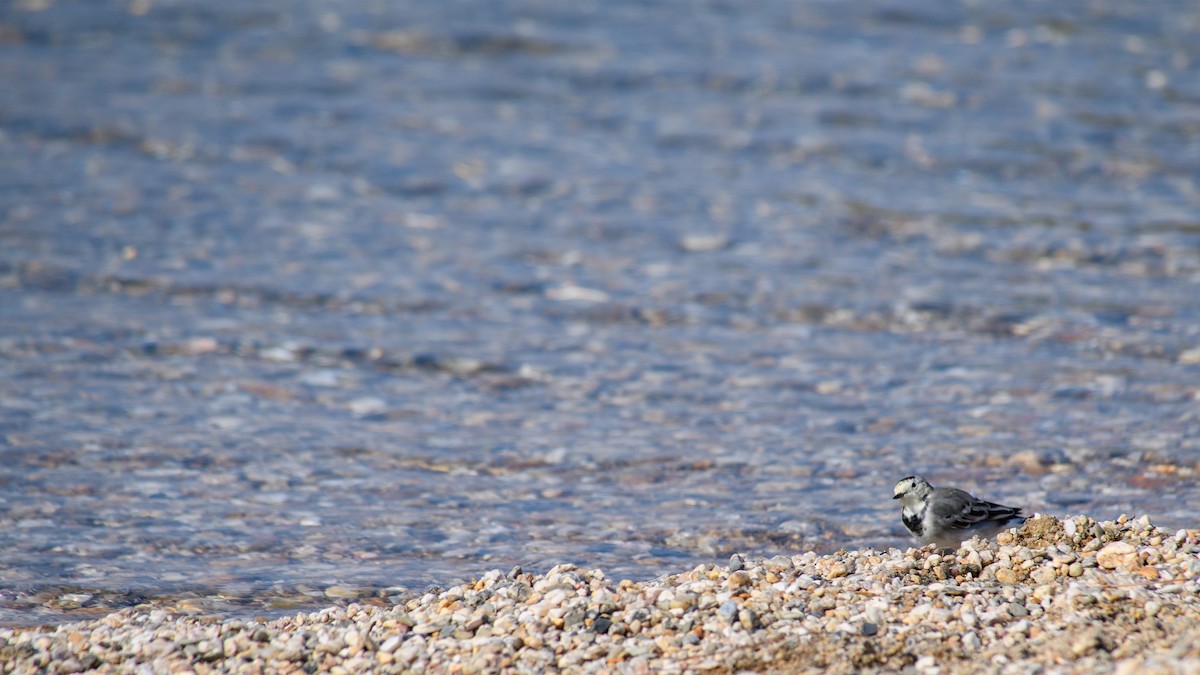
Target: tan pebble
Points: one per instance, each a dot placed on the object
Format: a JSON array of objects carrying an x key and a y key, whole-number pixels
[
  {"x": 1006, "y": 576},
  {"x": 1118, "y": 555},
  {"x": 1043, "y": 575},
  {"x": 1085, "y": 643},
  {"x": 684, "y": 601},
  {"x": 343, "y": 592},
  {"x": 1076, "y": 569},
  {"x": 1149, "y": 572},
  {"x": 391, "y": 644},
  {"x": 837, "y": 570},
  {"x": 738, "y": 579},
  {"x": 384, "y": 658},
  {"x": 1029, "y": 462},
  {"x": 748, "y": 619},
  {"x": 917, "y": 613}
]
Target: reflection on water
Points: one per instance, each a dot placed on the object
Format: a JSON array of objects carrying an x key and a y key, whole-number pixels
[{"x": 344, "y": 301}]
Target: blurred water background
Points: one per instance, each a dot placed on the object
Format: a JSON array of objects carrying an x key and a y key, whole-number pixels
[{"x": 307, "y": 302}]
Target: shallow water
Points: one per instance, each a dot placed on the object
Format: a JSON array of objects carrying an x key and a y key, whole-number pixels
[{"x": 347, "y": 300}]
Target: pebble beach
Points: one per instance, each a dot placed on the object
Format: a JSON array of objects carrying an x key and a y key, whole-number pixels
[{"x": 1072, "y": 596}]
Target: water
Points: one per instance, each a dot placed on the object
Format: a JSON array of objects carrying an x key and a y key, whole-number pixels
[{"x": 313, "y": 303}]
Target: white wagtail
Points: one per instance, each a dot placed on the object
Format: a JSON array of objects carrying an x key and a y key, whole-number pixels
[{"x": 948, "y": 516}]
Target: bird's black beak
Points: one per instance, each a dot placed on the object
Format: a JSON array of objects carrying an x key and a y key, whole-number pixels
[{"x": 898, "y": 496}]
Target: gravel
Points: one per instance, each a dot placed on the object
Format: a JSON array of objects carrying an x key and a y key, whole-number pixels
[{"x": 1028, "y": 601}]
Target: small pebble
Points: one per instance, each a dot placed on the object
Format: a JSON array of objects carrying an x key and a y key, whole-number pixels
[
  {"x": 1118, "y": 555},
  {"x": 728, "y": 611}
]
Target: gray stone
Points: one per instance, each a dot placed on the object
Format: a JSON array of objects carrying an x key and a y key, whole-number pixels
[{"x": 728, "y": 611}]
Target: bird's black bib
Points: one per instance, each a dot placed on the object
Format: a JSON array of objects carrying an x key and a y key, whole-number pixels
[{"x": 915, "y": 522}]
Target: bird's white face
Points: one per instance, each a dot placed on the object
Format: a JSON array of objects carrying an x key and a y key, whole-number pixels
[{"x": 909, "y": 489}]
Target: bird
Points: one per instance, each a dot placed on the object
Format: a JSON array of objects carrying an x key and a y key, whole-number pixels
[{"x": 949, "y": 516}]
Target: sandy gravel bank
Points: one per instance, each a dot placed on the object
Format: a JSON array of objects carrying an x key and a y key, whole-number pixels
[{"x": 1073, "y": 595}]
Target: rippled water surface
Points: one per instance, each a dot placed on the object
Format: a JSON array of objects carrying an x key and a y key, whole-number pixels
[{"x": 309, "y": 302}]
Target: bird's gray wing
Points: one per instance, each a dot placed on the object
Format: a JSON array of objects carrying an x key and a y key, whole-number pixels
[{"x": 962, "y": 511}]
